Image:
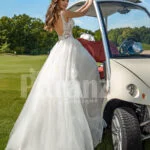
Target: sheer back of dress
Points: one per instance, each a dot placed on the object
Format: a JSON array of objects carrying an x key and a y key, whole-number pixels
[{"x": 67, "y": 27}]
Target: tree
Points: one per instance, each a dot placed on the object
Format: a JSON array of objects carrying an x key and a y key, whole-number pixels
[
  {"x": 5, "y": 27},
  {"x": 97, "y": 35},
  {"x": 113, "y": 35},
  {"x": 77, "y": 31},
  {"x": 25, "y": 35},
  {"x": 4, "y": 48}
]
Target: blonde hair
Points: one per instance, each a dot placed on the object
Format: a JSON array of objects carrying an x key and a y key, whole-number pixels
[{"x": 52, "y": 15}]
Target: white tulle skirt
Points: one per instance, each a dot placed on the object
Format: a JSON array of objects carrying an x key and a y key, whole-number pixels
[{"x": 63, "y": 108}]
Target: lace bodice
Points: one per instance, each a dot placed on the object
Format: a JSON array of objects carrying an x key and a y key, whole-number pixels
[{"x": 67, "y": 28}]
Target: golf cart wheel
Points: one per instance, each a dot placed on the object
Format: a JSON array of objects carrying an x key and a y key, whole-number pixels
[{"x": 125, "y": 129}]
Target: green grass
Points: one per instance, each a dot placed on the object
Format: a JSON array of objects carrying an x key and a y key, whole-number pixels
[
  {"x": 12, "y": 68},
  {"x": 146, "y": 46}
]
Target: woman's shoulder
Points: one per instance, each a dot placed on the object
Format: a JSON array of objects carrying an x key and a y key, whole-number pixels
[{"x": 65, "y": 12}]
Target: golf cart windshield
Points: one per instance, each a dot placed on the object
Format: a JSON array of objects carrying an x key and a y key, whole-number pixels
[{"x": 128, "y": 28}]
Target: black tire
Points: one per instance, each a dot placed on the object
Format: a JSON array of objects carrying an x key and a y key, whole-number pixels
[{"x": 126, "y": 134}]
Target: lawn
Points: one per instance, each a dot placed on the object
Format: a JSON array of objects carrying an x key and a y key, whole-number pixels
[
  {"x": 146, "y": 46},
  {"x": 12, "y": 69}
]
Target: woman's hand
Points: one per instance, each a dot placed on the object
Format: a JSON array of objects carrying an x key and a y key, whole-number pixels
[
  {"x": 90, "y": 2},
  {"x": 80, "y": 12}
]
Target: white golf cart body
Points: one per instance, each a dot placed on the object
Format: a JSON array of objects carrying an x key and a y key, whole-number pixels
[{"x": 127, "y": 80}]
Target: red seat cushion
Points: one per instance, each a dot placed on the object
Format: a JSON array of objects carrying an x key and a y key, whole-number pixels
[{"x": 95, "y": 48}]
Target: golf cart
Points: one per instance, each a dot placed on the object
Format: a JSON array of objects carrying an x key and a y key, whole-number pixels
[{"x": 124, "y": 67}]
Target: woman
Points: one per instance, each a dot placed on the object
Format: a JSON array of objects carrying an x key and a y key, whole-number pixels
[{"x": 60, "y": 113}]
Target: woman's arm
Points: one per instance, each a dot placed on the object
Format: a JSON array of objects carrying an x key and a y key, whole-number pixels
[
  {"x": 82, "y": 7},
  {"x": 80, "y": 12}
]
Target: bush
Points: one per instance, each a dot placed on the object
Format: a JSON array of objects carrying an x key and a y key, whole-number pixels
[
  {"x": 35, "y": 52},
  {"x": 19, "y": 50},
  {"x": 5, "y": 48}
]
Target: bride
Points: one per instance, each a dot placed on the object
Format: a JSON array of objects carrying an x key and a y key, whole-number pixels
[{"x": 63, "y": 108}]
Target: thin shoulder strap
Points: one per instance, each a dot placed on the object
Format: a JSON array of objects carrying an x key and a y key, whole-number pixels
[{"x": 62, "y": 16}]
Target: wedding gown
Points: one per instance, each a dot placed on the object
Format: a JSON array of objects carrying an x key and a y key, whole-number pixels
[{"x": 59, "y": 113}]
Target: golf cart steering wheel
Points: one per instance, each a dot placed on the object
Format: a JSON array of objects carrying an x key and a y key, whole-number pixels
[{"x": 126, "y": 46}]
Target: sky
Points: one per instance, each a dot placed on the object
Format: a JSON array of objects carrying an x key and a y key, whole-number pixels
[{"x": 38, "y": 8}]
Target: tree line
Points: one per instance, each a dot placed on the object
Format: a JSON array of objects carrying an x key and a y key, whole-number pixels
[
  {"x": 141, "y": 34},
  {"x": 23, "y": 34}
]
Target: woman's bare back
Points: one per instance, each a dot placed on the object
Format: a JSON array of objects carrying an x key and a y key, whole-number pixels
[{"x": 59, "y": 25}]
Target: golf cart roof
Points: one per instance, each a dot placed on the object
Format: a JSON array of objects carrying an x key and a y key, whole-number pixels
[{"x": 107, "y": 9}]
